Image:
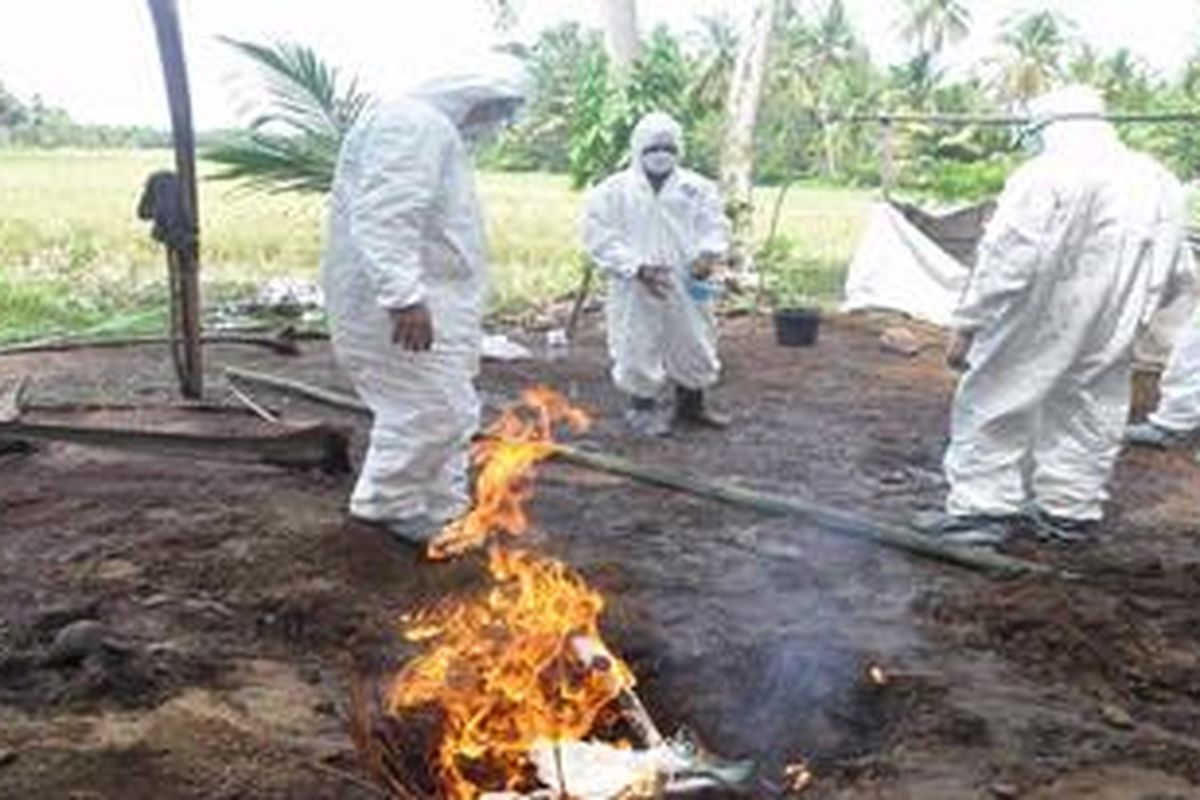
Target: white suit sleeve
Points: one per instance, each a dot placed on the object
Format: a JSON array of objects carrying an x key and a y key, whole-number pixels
[
  {"x": 603, "y": 238},
  {"x": 391, "y": 208},
  {"x": 1178, "y": 271},
  {"x": 1012, "y": 250},
  {"x": 712, "y": 225}
]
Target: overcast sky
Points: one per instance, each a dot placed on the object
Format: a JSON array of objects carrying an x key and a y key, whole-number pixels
[{"x": 97, "y": 58}]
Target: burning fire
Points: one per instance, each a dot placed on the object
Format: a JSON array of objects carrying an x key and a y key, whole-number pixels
[
  {"x": 508, "y": 671},
  {"x": 506, "y": 456},
  {"x": 798, "y": 776},
  {"x": 524, "y": 664}
]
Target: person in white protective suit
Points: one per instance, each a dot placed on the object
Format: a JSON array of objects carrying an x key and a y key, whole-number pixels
[
  {"x": 1176, "y": 421},
  {"x": 657, "y": 231},
  {"x": 1087, "y": 242},
  {"x": 404, "y": 279}
]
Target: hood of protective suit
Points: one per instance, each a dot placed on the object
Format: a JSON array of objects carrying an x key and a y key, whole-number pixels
[
  {"x": 656, "y": 128},
  {"x": 500, "y": 80},
  {"x": 1064, "y": 120}
]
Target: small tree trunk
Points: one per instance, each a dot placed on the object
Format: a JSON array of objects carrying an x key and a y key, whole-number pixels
[
  {"x": 621, "y": 28},
  {"x": 887, "y": 156},
  {"x": 737, "y": 152},
  {"x": 829, "y": 146}
]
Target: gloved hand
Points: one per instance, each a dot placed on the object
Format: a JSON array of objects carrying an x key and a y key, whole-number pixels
[
  {"x": 958, "y": 348},
  {"x": 656, "y": 279},
  {"x": 412, "y": 327},
  {"x": 704, "y": 266}
]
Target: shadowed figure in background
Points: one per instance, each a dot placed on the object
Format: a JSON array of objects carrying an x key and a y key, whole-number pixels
[
  {"x": 1087, "y": 242},
  {"x": 658, "y": 231},
  {"x": 404, "y": 280}
]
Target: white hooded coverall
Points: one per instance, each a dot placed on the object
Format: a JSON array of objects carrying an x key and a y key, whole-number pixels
[
  {"x": 1087, "y": 241},
  {"x": 1179, "y": 388},
  {"x": 405, "y": 227},
  {"x": 627, "y": 225}
]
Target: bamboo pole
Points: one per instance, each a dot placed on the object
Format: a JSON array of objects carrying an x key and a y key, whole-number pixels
[
  {"x": 828, "y": 519},
  {"x": 303, "y": 448},
  {"x": 307, "y": 391},
  {"x": 282, "y": 343},
  {"x": 1002, "y": 119}
]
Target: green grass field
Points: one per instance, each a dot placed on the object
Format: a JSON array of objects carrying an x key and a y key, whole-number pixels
[{"x": 74, "y": 257}]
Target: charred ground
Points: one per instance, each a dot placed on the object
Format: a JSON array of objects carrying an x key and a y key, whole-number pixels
[{"x": 237, "y": 605}]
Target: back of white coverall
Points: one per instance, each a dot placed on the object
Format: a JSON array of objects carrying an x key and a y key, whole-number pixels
[{"x": 1086, "y": 243}]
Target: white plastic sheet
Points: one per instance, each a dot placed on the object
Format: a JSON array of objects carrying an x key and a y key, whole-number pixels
[{"x": 899, "y": 268}]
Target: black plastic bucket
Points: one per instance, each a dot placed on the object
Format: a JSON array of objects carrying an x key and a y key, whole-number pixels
[{"x": 797, "y": 327}]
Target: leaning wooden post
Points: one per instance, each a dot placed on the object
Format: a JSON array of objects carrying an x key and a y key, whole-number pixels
[
  {"x": 184, "y": 256},
  {"x": 887, "y": 155}
]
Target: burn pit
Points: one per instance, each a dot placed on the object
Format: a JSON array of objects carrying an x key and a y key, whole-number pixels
[{"x": 515, "y": 693}]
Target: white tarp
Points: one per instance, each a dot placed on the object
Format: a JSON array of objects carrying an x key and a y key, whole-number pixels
[{"x": 899, "y": 268}]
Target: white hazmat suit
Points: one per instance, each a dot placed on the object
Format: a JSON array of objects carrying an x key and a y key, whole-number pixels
[
  {"x": 628, "y": 225},
  {"x": 1178, "y": 409},
  {"x": 1087, "y": 242},
  {"x": 405, "y": 228}
]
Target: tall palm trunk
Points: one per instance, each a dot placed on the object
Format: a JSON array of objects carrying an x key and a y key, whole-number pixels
[
  {"x": 745, "y": 97},
  {"x": 828, "y": 145},
  {"x": 620, "y": 25}
]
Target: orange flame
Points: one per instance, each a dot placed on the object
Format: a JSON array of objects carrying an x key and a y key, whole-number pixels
[
  {"x": 523, "y": 663},
  {"x": 798, "y": 777},
  {"x": 507, "y": 671},
  {"x": 506, "y": 456}
]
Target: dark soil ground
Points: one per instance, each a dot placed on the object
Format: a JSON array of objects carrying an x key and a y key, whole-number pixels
[{"x": 238, "y": 606}]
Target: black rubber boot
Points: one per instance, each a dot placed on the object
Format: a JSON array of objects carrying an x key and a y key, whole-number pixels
[
  {"x": 644, "y": 419},
  {"x": 976, "y": 530},
  {"x": 1052, "y": 528},
  {"x": 690, "y": 409}
]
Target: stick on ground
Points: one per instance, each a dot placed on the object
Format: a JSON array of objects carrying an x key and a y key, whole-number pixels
[
  {"x": 318, "y": 446},
  {"x": 282, "y": 343},
  {"x": 307, "y": 391},
  {"x": 823, "y": 517}
]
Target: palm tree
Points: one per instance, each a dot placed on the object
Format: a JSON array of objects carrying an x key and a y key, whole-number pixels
[
  {"x": 1190, "y": 82},
  {"x": 818, "y": 58},
  {"x": 1127, "y": 81},
  {"x": 932, "y": 24},
  {"x": 916, "y": 80},
  {"x": 717, "y": 40},
  {"x": 1033, "y": 45},
  {"x": 504, "y": 14},
  {"x": 292, "y": 144},
  {"x": 744, "y": 101},
  {"x": 621, "y": 25},
  {"x": 1086, "y": 65}
]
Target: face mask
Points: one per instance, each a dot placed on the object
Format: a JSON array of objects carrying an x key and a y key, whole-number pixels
[{"x": 659, "y": 162}]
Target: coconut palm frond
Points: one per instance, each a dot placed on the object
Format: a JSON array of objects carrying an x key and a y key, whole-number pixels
[
  {"x": 303, "y": 89},
  {"x": 293, "y": 141},
  {"x": 275, "y": 163}
]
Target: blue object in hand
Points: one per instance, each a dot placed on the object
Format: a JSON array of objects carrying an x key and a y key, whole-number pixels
[{"x": 702, "y": 291}]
